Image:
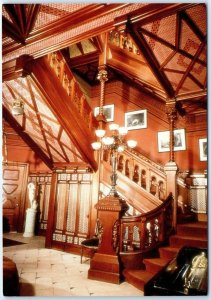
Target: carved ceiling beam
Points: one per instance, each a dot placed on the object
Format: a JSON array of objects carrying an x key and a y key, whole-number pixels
[
  {"x": 14, "y": 68},
  {"x": 151, "y": 59},
  {"x": 190, "y": 67},
  {"x": 169, "y": 45},
  {"x": 192, "y": 25},
  {"x": 23, "y": 20},
  {"x": 27, "y": 139},
  {"x": 152, "y": 12},
  {"x": 87, "y": 14}
]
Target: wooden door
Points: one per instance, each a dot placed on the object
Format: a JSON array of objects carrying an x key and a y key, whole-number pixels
[{"x": 14, "y": 194}]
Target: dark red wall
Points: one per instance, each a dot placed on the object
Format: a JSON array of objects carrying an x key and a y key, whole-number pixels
[{"x": 195, "y": 127}]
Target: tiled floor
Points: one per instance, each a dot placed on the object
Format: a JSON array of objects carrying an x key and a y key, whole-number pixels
[{"x": 48, "y": 272}]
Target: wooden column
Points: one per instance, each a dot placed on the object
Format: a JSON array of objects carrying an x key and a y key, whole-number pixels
[
  {"x": 105, "y": 264},
  {"x": 171, "y": 167},
  {"x": 51, "y": 211}
]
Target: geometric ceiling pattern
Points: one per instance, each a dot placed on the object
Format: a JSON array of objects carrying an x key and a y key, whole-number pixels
[
  {"x": 39, "y": 122},
  {"x": 172, "y": 65},
  {"x": 162, "y": 48}
]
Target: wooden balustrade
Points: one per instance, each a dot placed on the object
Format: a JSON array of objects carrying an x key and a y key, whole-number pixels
[
  {"x": 67, "y": 80},
  {"x": 147, "y": 174},
  {"x": 145, "y": 232},
  {"x": 124, "y": 41}
]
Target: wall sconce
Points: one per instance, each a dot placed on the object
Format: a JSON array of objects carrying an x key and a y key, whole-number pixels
[{"x": 17, "y": 107}]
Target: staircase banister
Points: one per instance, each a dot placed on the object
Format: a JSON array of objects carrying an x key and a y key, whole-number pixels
[
  {"x": 150, "y": 214},
  {"x": 146, "y": 161}
]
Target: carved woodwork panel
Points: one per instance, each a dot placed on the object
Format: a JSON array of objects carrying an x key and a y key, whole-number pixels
[
  {"x": 14, "y": 194},
  {"x": 72, "y": 207},
  {"x": 43, "y": 184}
]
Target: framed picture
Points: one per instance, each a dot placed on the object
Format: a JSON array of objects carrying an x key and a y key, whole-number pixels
[
  {"x": 136, "y": 119},
  {"x": 203, "y": 149},
  {"x": 108, "y": 111},
  {"x": 164, "y": 140}
]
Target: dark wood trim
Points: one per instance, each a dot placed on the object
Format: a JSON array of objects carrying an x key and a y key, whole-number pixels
[
  {"x": 152, "y": 12},
  {"x": 192, "y": 25},
  {"x": 14, "y": 68},
  {"x": 200, "y": 49},
  {"x": 151, "y": 59},
  {"x": 169, "y": 45},
  {"x": 196, "y": 81},
  {"x": 80, "y": 17},
  {"x": 51, "y": 211},
  {"x": 27, "y": 139}
]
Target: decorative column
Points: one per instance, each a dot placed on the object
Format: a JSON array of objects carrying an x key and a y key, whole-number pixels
[
  {"x": 105, "y": 264},
  {"x": 102, "y": 77},
  {"x": 31, "y": 212},
  {"x": 171, "y": 167}
]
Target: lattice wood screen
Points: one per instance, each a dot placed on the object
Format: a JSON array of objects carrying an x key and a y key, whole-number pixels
[
  {"x": 43, "y": 184},
  {"x": 72, "y": 208}
]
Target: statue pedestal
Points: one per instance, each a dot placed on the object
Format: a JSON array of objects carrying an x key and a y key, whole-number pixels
[
  {"x": 30, "y": 222},
  {"x": 105, "y": 264}
]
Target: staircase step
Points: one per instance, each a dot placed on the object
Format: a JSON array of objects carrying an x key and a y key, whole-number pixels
[
  {"x": 138, "y": 278},
  {"x": 168, "y": 252},
  {"x": 189, "y": 241},
  {"x": 154, "y": 265},
  {"x": 197, "y": 229}
]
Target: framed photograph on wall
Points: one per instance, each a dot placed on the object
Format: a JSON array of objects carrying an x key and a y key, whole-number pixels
[
  {"x": 136, "y": 119},
  {"x": 108, "y": 111},
  {"x": 203, "y": 149},
  {"x": 164, "y": 140}
]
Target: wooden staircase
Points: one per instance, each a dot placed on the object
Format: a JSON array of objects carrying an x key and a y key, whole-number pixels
[{"x": 191, "y": 234}]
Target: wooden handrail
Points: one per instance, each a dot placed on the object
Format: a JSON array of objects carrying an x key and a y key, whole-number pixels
[
  {"x": 146, "y": 231},
  {"x": 70, "y": 85},
  {"x": 147, "y": 174}
]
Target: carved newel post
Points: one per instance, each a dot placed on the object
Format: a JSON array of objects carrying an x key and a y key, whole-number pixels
[
  {"x": 105, "y": 264},
  {"x": 31, "y": 212}
]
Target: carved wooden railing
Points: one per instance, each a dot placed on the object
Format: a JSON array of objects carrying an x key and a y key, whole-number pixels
[
  {"x": 145, "y": 173},
  {"x": 123, "y": 40},
  {"x": 147, "y": 231},
  {"x": 67, "y": 80}
]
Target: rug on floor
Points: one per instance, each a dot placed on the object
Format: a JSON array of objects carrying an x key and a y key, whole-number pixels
[{"x": 8, "y": 242}]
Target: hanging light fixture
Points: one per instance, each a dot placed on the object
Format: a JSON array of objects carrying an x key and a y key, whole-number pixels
[
  {"x": 17, "y": 107},
  {"x": 115, "y": 142}
]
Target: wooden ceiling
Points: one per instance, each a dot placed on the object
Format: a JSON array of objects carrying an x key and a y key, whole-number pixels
[{"x": 161, "y": 48}]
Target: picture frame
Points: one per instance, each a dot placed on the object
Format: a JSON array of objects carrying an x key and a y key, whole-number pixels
[
  {"x": 203, "y": 149},
  {"x": 164, "y": 140},
  {"x": 136, "y": 119},
  {"x": 108, "y": 111}
]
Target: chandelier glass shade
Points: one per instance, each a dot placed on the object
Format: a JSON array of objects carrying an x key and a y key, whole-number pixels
[{"x": 115, "y": 142}]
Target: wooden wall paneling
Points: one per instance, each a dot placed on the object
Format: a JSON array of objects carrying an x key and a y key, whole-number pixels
[
  {"x": 85, "y": 198},
  {"x": 51, "y": 211},
  {"x": 72, "y": 210},
  {"x": 43, "y": 182},
  {"x": 14, "y": 192}
]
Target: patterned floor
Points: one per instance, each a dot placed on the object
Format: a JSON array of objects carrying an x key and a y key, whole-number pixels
[{"x": 48, "y": 272}]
